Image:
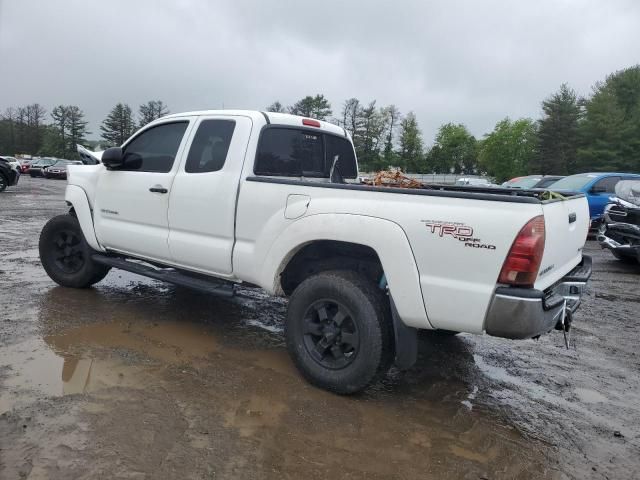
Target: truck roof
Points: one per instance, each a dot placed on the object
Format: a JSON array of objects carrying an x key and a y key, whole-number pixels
[{"x": 273, "y": 118}]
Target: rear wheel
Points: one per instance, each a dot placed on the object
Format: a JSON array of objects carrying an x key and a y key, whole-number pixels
[
  {"x": 66, "y": 256},
  {"x": 338, "y": 332},
  {"x": 3, "y": 183},
  {"x": 444, "y": 333}
]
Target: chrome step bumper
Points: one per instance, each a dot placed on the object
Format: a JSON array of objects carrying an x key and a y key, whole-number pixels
[{"x": 526, "y": 313}]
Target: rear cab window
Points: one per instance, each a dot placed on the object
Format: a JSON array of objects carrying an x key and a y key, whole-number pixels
[{"x": 296, "y": 152}]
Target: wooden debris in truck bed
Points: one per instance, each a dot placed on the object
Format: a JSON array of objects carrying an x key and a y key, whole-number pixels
[{"x": 393, "y": 178}]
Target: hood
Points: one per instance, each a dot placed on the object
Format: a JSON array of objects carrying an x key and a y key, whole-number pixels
[{"x": 89, "y": 157}]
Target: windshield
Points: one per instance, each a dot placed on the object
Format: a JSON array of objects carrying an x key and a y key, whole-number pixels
[
  {"x": 629, "y": 190},
  {"x": 545, "y": 182},
  {"x": 572, "y": 182},
  {"x": 524, "y": 182}
]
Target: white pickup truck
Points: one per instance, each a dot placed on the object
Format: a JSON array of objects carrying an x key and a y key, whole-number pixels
[{"x": 215, "y": 198}]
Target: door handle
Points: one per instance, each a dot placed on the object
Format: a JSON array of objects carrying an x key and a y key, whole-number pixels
[{"x": 158, "y": 189}]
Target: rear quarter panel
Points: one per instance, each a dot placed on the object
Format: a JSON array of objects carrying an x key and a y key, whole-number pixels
[{"x": 456, "y": 278}]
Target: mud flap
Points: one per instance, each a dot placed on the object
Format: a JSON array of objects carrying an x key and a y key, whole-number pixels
[{"x": 406, "y": 340}]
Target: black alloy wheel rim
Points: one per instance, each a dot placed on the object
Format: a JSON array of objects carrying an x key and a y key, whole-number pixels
[
  {"x": 67, "y": 251},
  {"x": 331, "y": 334},
  {"x": 2, "y": 183}
]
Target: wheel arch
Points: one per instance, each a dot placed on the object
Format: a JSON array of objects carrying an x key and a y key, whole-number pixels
[
  {"x": 369, "y": 242},
  {"x": 322, "y": 255},
  {"x": 77, "y": 198}
]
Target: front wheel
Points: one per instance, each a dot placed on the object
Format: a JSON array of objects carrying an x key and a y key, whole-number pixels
[
  {"x": 66, "y": 256},
  {"x": 338, "y": 331},
  {"x": 624, "y": 258}
]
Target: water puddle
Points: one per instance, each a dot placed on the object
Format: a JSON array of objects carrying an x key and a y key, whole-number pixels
[
  {"x": 48, "y": 367},
  {"x": 150, "y": 360}
]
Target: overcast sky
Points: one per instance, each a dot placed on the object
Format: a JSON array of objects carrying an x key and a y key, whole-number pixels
[{"x": 472, "y": 62}]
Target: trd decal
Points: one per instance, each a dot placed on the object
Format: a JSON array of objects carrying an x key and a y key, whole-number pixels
[{"x": 458, "y": 231}]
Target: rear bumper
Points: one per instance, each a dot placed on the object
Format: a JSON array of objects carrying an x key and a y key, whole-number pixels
[{"x": 525, "y": 312}]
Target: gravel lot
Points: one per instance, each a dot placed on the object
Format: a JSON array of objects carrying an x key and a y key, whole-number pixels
[{"x": 136, "y": 379}]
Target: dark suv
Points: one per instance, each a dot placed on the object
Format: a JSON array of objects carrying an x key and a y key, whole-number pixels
[{"x": 8, "y": 176}]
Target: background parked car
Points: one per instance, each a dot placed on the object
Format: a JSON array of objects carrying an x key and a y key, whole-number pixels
[
  {"x": 620, "y": 229},
  {"x": 24, "y": 165},
  {"x": 9, "y": 176},
  {"x": 35, "y": 170},
  {"x": 598, "y": 187},
  {"x": 59, "y": 169},
  {"x": 474, "y": 182},
  {"x": 532, "y": 181}
]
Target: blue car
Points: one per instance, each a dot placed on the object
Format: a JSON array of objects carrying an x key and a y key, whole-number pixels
[{"x": 598, "y": 187}]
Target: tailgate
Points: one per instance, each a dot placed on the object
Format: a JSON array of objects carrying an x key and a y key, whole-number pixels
[{"x": 566, "y": 226}]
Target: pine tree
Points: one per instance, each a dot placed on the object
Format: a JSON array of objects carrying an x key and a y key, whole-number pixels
[
  {"x": 610, "y": 131},
  {"x": 118, "y": 126},
  {"x": 7, "y": 130},
  {"x": 391, "y": 116},
  {"x": 150, "y": 111},
  {"x": 77, "y": 129},
  {"x": 66, "y": 132},
  {"x": 410, "y": 145},
  {"x": 56, "y": 141},
  {"x": 558, "y": 134},
  {"x": 314, "y": 107}
]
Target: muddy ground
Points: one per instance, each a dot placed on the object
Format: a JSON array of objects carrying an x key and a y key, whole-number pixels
[{"x": 137, "y": 379}]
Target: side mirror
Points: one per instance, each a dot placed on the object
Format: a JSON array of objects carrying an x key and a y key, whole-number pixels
[{"x": 112, "y": 158}]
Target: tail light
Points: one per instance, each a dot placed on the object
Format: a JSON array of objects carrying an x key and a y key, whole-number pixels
[{"x": 523, "y": 262}]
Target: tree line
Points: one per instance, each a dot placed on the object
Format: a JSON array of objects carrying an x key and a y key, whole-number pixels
[
  {"x": 575, "y": 134},
  {"x": 28, "y": 130}
]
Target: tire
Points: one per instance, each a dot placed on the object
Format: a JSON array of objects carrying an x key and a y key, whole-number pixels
[
  {"x": 66, "y": 256},
  {"x": 444, "y": 333},
  {"x": 317, "y": 343},
  {"x": 624, "y": 258},
  {"x": 3, "y": 183}
]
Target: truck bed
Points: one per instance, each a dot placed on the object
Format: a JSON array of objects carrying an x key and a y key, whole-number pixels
[{"x": 497, "y": 194}]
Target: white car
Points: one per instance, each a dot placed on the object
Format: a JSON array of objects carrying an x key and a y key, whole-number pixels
[
  {"x": 214, "y": 198},
  {"x": 473, "y": 181}
]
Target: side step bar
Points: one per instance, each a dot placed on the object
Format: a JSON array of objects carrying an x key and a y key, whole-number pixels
[{"x": 170, "y": 275}]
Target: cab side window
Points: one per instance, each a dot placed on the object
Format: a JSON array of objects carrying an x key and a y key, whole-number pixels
[
  {"x": 606, "y": 185},
  {"x": 155, "y": 149},
  {"x": 210, "y": 146}
]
